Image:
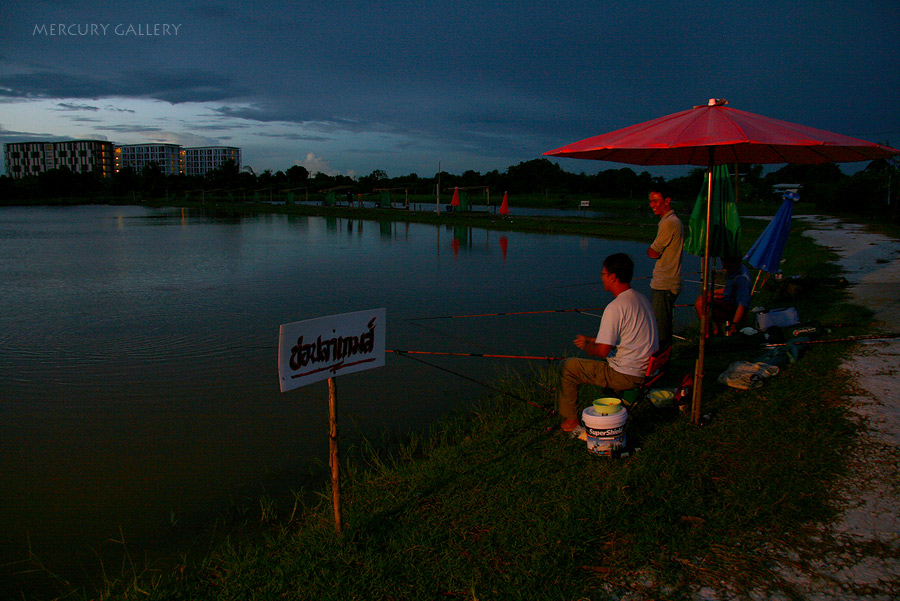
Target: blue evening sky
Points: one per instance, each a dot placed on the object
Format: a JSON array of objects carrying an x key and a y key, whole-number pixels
[{"x": 349, "y": 87}]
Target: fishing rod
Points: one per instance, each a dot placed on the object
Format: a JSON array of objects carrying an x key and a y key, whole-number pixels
[
  {"x": 847, "y": 339},
  {"x": 644, "y": 277},
  {"x": 585, "y": 311},
  {"x": 484, "y": 355},
  {"x": 503, "y": 313}
]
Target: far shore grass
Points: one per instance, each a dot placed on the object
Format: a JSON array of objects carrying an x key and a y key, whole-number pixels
[
  {"x": 494, "y": 502},
  {"x": 629, "y": 218}
]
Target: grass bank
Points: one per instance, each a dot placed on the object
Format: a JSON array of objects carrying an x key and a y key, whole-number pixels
[{"x": 489, "y": 504}]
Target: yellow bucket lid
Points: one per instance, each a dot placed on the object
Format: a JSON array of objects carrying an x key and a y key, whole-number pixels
[{"x": 607, "y": 406}]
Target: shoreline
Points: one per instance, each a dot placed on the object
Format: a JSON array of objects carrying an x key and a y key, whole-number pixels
[{"x": 864, "y": 558}]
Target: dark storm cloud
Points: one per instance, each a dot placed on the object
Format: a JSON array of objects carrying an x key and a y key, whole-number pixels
[
  {"x": 68, "y": 106},
  {"x": 10, "y": 136},
  {"x": 170, "y": 85},
  {"x": 220, "y": 126},
  {"x": 20, "y": 136},
  {"x": 296, "y": 137},
  {"x": 129, "y": 128}
]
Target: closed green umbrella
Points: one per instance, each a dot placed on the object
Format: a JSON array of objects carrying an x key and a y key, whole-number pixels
[{"x": 725, "y": 231}]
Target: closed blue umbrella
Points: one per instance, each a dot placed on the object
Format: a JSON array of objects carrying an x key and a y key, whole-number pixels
[{"x": 766, "y": 252}]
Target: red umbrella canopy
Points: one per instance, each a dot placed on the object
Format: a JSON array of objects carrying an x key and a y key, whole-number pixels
[{"x": 715, "y": 134}]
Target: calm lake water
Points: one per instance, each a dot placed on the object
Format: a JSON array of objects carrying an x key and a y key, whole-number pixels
[{"x": 138, "y": 359}]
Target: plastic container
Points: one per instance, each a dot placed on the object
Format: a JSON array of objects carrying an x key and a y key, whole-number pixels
[
  {"x": 607, "y": 405},
  {"x": 662, "y": 397},
  {"x": 777, "y": 317},
  {"x": 605, "y": 432}
]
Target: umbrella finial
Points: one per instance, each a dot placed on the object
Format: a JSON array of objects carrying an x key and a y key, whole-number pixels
[{"x": 717, "y": 102}]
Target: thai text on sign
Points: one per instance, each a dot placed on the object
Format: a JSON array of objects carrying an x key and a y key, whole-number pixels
[{"x": 317, "y": 349}]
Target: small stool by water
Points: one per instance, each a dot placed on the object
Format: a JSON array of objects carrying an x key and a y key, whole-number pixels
[{"x": 605, "y": 431}]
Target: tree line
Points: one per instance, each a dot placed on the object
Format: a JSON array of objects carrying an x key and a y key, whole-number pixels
[{"x": 871, "y": 191}]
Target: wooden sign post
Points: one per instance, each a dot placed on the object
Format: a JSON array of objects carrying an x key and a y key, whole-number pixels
[
  {"x": 318, "y": 349},
  {"x": 333, "y": 460}
]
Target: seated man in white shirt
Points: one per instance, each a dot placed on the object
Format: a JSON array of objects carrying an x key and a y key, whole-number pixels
[{"x": 626, "y": 339}]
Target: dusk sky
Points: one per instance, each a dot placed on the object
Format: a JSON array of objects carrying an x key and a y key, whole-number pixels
[{"x": 350, "y": 87}]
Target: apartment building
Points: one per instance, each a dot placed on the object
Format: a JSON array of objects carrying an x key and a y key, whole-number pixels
[
  {"x": 81, "y": 156},
  {"x": 169, "y": 157},
  {"x": 32, "y": 158},
  {"x": 201, "y": 160}
]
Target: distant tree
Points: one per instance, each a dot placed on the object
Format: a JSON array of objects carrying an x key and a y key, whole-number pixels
[
  {"x": 537, "y": 175},
  {"x": 618, "y": 183},
  {"x": 470, "y": 179},
  {"x": 322, "y": 180},
  {"x": 246, "y": 180},
  {"x": 7, "y": 188},
  {"x": 407, "y": 181},
  {"x": 152, "y": 180},
  {"x": 684, "y": 189},
  {"x": 59, "y": 182},
  {"x": 297, "y": 175},
  {"x": 377, "y": 179},
  {"x": 125, "y": 181},
  {"x": 493, "y": 179},
  {"x": 226, "y": 176},
  {"x": 265, "y": 179},
  {"x": 803, "y": 174}
]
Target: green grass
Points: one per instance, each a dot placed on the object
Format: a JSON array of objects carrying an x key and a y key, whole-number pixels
[{"x": 489, "y": 504}]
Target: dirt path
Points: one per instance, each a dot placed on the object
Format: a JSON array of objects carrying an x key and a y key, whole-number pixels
[{"x": 862, "y": 558}]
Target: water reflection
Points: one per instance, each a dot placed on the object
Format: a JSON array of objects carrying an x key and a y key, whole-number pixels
[{"x": 138, "y": 359}]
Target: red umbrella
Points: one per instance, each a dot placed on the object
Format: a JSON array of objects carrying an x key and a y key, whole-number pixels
[
  {"x": 455, "y": 201},
  {"x": 504, "y": 206},
  {"x": 714, "y": 134}
]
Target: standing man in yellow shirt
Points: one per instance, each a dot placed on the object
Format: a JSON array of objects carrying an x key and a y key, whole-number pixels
[{"x": 666, "y": 249}]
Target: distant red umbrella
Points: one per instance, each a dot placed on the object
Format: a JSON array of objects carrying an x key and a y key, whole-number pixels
[
  {"x": 504, "y": 206},
  {"x": 455, "y": 201},
  {"x": 714, "y": 134}
]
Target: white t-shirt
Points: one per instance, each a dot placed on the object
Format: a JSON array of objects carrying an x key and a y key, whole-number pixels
[{"x": 628, "y": 324}]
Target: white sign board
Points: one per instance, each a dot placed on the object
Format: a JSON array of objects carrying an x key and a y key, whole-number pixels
[
  {"x": 585, "y": 203},
  {"x": 317, "y": 349}
]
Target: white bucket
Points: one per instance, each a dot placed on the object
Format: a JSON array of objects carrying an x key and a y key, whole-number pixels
[{"x": 605, "y": 433}]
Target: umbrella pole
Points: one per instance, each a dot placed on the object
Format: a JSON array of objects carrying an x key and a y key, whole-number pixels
[
  {"x": 755, "y": 282},
  {"x": 704, "y": 304}
]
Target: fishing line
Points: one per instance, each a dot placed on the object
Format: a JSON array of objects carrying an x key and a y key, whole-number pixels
[
  {"x": 445, "y": 334},
  {"x": 470, "y": 379},
  {"x": 489, "y": 356}
]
